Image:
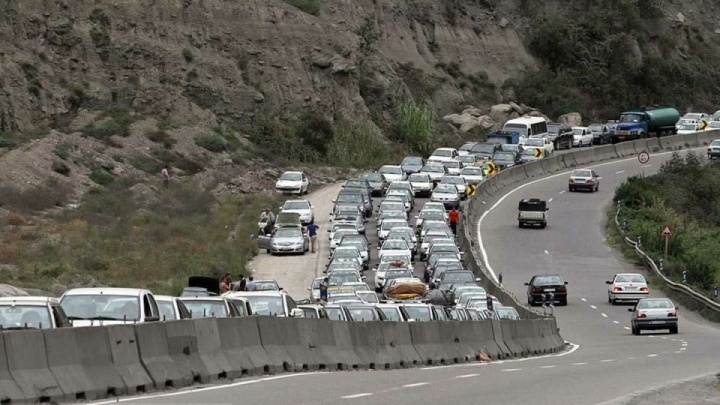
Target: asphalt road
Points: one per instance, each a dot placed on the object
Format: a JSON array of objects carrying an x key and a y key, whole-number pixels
[{"x": 606, "y": 360}]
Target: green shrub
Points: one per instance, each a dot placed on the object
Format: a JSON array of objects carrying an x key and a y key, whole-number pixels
[
  {"x": 414, "y": 127},
  {"x": 188, "y": 55},
  {"x": 101, "y": 177},
  {"x": 60, "y": 167},
  {"x": 160, "y": 136},
  {"x": 308, "y": 6},
  {"x": 213, "y": 143},
  {"x": 146, "y": 164},
  {"x": 174, "y": 159},
  {"x": 62, "y": 151},
  {"x": 360, "y": 145},
  {"x": 112, "y": 122}
]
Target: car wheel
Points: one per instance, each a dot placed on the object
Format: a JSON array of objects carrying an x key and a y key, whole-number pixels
[
  {"x": 520, "y": 225},
  {"x": 597, "y": 188},
  {"x": 674, "y": 330},
  {"x": 530, "y": 302},
  {"x": 268, "y": 251},
  {"x": 610, "y": 301},
  {"x": 563, "y": 303},
  {"x": 570, "y": 189},
  {"x": 635, "y": 330},
  {"x": 542, "y": 226}
]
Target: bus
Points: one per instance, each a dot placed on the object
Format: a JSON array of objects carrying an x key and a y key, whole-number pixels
[{"x": 535, "y": 127}]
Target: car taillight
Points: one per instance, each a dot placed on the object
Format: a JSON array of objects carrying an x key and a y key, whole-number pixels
[
  {"x": 588, "y": 182},
  {"x": 537, "y": 290},
  {"x": 672, "y": 313},
  {"x": 641, "y": 314},
  {"x": 643, "y": 289},
  {"x": 562, "y": 289},
  {"x": 617, "y": 289},
  {"x": 570, "y": 180}
]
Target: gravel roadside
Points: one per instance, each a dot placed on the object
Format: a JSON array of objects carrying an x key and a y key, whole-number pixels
[
  {"x": 703, "y": 390},
  {"x": 294, "y": 273}
]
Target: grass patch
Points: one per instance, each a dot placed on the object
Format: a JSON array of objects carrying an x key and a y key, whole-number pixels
[
  {"x": 60, "y": 167},
  {"x": 47, "y": 195},
  {"x": 184, "y": 232},
  {"x": 213, "y": 143},
  {"x": 360, "y": 145},
  {"x": 115, "y": 121},
  {"x": 12, "y": 140},
  {"x": 146, "y": 164},
  {"x": 101, "y": 177},
  {"x": 187, "y": 165},
  {"x": 414, "y": 127},
  {"x": 160, "y": 136},
  {"x": 62, "y": 151},
  {"x": 308, "y": 6}
]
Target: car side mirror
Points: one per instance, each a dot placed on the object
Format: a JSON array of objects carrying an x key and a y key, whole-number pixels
[
  {"x": 374, "y": 270},
  {"x": 363, "y": 278},
  {"x": 297, "y": 313},
  {"x": 378, "y": 248},
  {"x": 527, "y": 283},
  {"x": 609, "y": 282},
  {"x": 333, "y": 201},
  {"x": 309, "y": 289},
  {"x": 477, "y": 279},
  {"x": 631, "y": 309},
  {"x": 566, "y": 283},
  {"x": 280, "y": 208}
]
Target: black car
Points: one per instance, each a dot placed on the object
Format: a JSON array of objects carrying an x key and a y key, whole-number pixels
[
  {"x": 541, "y": 285},
  {"x": 358, "y": 184},
  {"x": 378, "y": 183},
  {"x": 506, "y": 159},
  {"x": 485, "y": 150},
  {"x": 601, "y": 133},
  {"x": 412, "y": 164}
]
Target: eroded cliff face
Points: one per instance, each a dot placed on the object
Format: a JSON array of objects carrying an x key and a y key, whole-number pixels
[{"x": 192, "y": 62}]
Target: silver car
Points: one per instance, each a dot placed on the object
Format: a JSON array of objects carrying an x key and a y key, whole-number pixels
[
  {"x": 459, "y": 182},
  {"x": 584, "y": 179},
  {"x": 473, "y": 175},
  {"x": 714, "y": 148},
  {"x": 627, "y": 286},
  {"x": 422, "y": 184},
  {"x": 654, "y": 314},
  {"x": 446, "y": 194},
  {"x": 285, "y": 240}
]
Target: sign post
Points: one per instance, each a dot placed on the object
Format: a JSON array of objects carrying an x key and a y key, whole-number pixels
[
  {"x": 643, "y": 158},
  {"x": 667, "y": 234}
]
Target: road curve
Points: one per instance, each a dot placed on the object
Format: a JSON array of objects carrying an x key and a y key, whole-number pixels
[{"x": 607, "y": 362}]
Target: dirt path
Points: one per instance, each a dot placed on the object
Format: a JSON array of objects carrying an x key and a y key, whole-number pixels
[{"x": 295, "y": 273}]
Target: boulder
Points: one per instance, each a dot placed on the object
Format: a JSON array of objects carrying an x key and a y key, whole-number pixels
[
  {"x": 466, "y": 127},
  {"x": 503, "y": 22},
  {"x": 517, "y": 108},
  {"x": 501, "y": 109},
  {"x": 7, "y": 290},
  {"x": 459, "y": 119},
  {"x": 572, "y": 119},
  {"x": 486, "y": 122},
  {"x": 475, "y": 112}
]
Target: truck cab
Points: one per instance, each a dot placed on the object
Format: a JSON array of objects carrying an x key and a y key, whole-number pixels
[
  {"x": 532, "y": 212},
  {"x": 638, "y": 123}
]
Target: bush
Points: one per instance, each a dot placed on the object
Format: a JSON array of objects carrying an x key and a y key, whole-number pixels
[
  {"x": 213, "y": 143},
  {"x": 308, "y": 6},
  {"x": 113, "y": 122},
  {"x": 174, "y": 159},
  {"x": 414, "y": 127},
  {"x": 101, "y": 177},
  {"x": 162, "y": 137},
  {"x": 360, "y": 145},
  {"x": 146, "y": 164},
  {"x": 60, "y": 167},
  {"x": 188, "y": 55},
  {"x": 15, "y": 220},
  {"x": 48, "y": 195},
  {"x": 62, "y": 151}
]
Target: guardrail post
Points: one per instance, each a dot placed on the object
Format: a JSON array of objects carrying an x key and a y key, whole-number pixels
[
  {"x": 500, "y": 278},
  {"x": 661, "y": 265},
  {"x": 715, "y": 292},
  {"x": 639, "y": 241},
  {"x": 685, "y": 276}
]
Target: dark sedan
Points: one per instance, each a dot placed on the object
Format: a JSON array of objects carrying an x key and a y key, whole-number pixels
[
  {"x": 378, "y": 183},
  {"x": 506, "y": 159},
  {"x": 541, "y": 285},
  {"x": 412, "y": 164}
]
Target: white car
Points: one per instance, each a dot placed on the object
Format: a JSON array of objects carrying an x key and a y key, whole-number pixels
[
  {"x": 714, "y": 148},
  {"x": 292, "y": 183},
  {"x": 688, "y": 129},
  {"x": 422, "y": 184},
  {"x": 435, "y": 171},
  {"x": 582, "y": 136},
  {"x": 542, "y": 143},
  {"x": 431, "y": 214},
  {"x": 434, "y": 206},
  {"x": 407, "y": 234},
  {"x": 20, "y": 313},
  {"x": 627, "y": 287},
  {"x": 429, "y": 238},
  {"x": 391, "y": 246},
  {"x": 459, "y": 182},
  {"x": 464, "y": 150},
  {"x": 171, "y": 308},
  {"x": 443, "y": 154},
  {"x": 383, "y": 267},
  {"x": 346, "y": 254},
  {"x": 446, "y": 194},
  {"x": 109, "y": 306},
  {"x": 302, "y": 207},
  {"x": 393, "y": 173},
  {"x": 453, "y": 166},
  {"x": 473, "y": 175},
  {"x": 388, "y": 225}
]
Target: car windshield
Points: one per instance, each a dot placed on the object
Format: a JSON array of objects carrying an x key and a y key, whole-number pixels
[
  {"x": 356, "y": 243},
  {"x": 445, "y": 189},
  {"x": 553, "y": 128},
  {"x": 453, "y": 180},
  {"x": 419, "y": 178},
  {"x": 688, "y": 127},
  {"x": 398, "y": 274},
  {"x": 442, "y": 153},
  {"x": 483, "y": 148},
  {"x": 167, "y": 310},
  {"x": 388, "y": 225},
  {"x": 714, "y": 124},
  {"x": 547, "y": 280},
  {"x": 629, "y": 278},
  {"x": 296, "y": 205},
  {"x": 534, "y": 142},
  {"x": 418, "y": 313},
  {"x": 350, "y": 252},
  {"x": 102, "y": 306},
  {"x": 466, "y": 147},
  {"x": 395, "y": 258},
  {"x": 355, "y": 184},
  {"x": 715, "y": 142},
  {"x": 451, "y": 164},
  {"x": 334, "y": 314},
  {"x": 466, "y": 159},
  {"x": 206, "y": 309},
  {"x": 373, "y": 177},
  {"x": 288, "y": 233},
  {"x": 362, "y": 314},
  {"x": 350, "y": 198},
  {"x": 432, "y": 214},
  {"x": 21, "y": 316},
  {"x": 266, "y": 286},
  {"x": 472, "y": 171},
  {"x": 460, "y": 276},
  {"x": 412, "y": 160},
  {"x": 359, "y": 287},
  {"x": 392, "y": 314},
  {"x": 507, "y": 313},
  {"x": 342, "y": 278},
  {"x": 504, "y": 156},
  {"x": 392, "y": 206},
  {"x": 395, "y": 244},
  {"x": 291, "y": 176},
  {"x": 629, "y": 118},
  {"x": 581, "y": 173},
  {"x": 519, "y": 128},
  {"x": 390, "y": 170},
  {"x": 596, "y": 128},
  {"x": 433, "y": 169},
  {"x": 655, "y": 304},
  {"x": 444, "y": 248},
  {"x": 530, "y": 152}
]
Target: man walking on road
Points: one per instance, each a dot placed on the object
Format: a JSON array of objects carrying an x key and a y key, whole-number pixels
[
  {"x": 454, "y": 215},
  {"x": 312, "y": 233}
]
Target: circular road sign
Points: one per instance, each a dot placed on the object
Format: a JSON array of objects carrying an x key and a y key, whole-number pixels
[{"x": 643, "y": 157}]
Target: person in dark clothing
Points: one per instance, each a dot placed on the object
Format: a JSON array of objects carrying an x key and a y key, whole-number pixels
[{"x": 240, "y": 285}]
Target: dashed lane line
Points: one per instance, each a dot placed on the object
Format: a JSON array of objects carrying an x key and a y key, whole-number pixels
[
  {"x": 620, "y": 172},
  {"x": 652, "y": 355},
  {"x": 364, "y": 394},
  {"x": 547, "y": 253},
  {"x": 607, "y": 360},
  {"x": 511, "y": 369},
  {"x": 583, "y": 300},
  {"x": 579, "y": 364},
  {"x": 420, "y": 384},
  {"x": 616, "y": 322},
  {"x": 593, "y": 307},
  {"x": 626, "y": 327},
  {"x": 548, "y": 366},
  {"x": 467, "y": 376},
  {"x": 603, "y": 315},
  {"x": 550, "y": 200}
]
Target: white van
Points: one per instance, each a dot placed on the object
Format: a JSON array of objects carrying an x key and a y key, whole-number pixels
[
  {"x": 109, "y": 306},
  {"x": 535, "y": 127}
]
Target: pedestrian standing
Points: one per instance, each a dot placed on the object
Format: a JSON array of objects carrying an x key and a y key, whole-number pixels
[
  {"x": 454, "y": 216},
  {"x": 165, "y": 175},
  {"x": 251, "y": 284},
  {"x": 312, "y": 232},
  {"x": 241, "y": 284},
  {"x": 225, "y": 283},
  {"x": 323, "y": 290}
]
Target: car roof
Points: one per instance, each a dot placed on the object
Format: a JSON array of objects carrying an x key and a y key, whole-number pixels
[
  {"x": 269, "y": 293},
  {"x": 213, "y": 298},
  {"x": 134, "y": 292},
  {"x": 28, "y": 300},
  {"x": 292, "y": 172}
]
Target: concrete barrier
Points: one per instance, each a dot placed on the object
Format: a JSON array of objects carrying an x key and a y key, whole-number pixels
[
  {"x": 367, "y": 339},
  {"x": 606, "y": 152},
  {"x": 63, "y": 357},
  {"x": 479, "y": 336},
  {"x": 397, "y": 336},
  {"x": 240, "y": 342},
  {"x": 97, "y": 361},
  {"x": 125, "y": 355},
  {"x": 675, "y": 142},
  {"x": 498, "y": 338},
  {"x": 625, "y": 149},
  {"x": 584, "y": 157},
  {"x": 210, "y": 352},
  {"x": 343, "y": 340},
  {"x": 510, "y": 337},
  {"x": 183, "y": 350},
  {"x": 552, "y": 164},
  {"x": 28, "y": 366},
  {"x": 154, "y": 350},
  {"x": 513, "y": 175},
  {"x": 640, "y": 145},
  {"x": 9, "y": 390},
  {"x": 426, "y": 339},
  {"x": 492, "y": 184},
  {"x": 317, "y": 336},
  {"x": 483, "y": 191},
  {"x": 280, "y": 338},
  {"x": 653, "y": 145},
  {"x": 457, "y": 348},
  {"x": 534, "y": 169},
  {"x": 527, "y": 335}
]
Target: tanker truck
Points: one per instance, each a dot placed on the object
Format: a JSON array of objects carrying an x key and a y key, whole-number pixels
[{"x": 642, "y": 122}]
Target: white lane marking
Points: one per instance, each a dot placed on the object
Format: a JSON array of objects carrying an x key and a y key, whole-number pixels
[
  {"x": 467, "y": 376},
  {"x": 593, "y": 307},
  {"x": 616, "y": 322},
  {"x": 547, "y": 253},
  {"x": 607, "y": 360},
  {"x": 548, "y": 366},
  {"x": 562, "y": 192},
  {"x": 650, "y": 336},
  {"x": 483, "y": 252},
  {"x": 674, "y": 340},
  {"x": 550, "y": 200},
  {"x": 652, "y": 355},
  {"x": 683, "y": 348},
  {"x": 574, "y": 347},
  {"x": 579, "y": 364},
  {"x": 620, "y": 172},
  {"x": 678, "y": 352},
  {"x": 631, "y": 358},
  {"x": 644, "y": 166},
  {"x": 364, "y": 394},
  {"x": 583, "y": 300},
  {"x": 511, "y": 369},
  {"x": 603, "y": 315},
  {"x": 626, "y": 328},
  {"x": 683, "y": 344},
  {"x": 415, "y": 385},
  {"x": 217, "y": 387}
]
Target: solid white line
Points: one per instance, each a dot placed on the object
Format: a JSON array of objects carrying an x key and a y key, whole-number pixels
[
  {"x": 593, "y": 307},
  {"x": 620, "y": 172},
  {"x": 616, "y": 322},
  {"x": 415, "y": 385},
  {"x": 652, "y": 355},
  {"x": 365, "y": 394},
  {"x": 478, "y": 226},
  {"x": 550, "y": 200},
  {"x": 607, "y": 360},
  {"x": 626, "y": 327},
  {"x": 603, "y": 315},
  {"x": 572, "y": 350},
  {"x": 579, "y": 364},
  {"x": 678, "y": 352},
  {"x": 562, "y": 192},
  {"x": 216, "y": 387},
  {"x": 548, "y": 366},
  {"x": 467, "y": 376},
  {"x": 511, "y": 369},
  {"x": 583, "y": 300}
]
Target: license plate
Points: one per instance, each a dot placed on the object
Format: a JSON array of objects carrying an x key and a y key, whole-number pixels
[
  {"x": 657, "y": 322},
  {"x": 549, "y": 290}
]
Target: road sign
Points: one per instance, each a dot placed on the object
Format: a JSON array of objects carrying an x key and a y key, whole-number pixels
[
  {"x": 643, "y": 157},
  {"x": 470, "y": 189},
  {"x": 666, "y": 232},
  {"x": 538, "y": 153},
  {"x": 703, "y": 124}
]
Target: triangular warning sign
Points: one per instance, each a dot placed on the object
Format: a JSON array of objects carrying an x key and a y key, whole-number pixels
[{"x": 666, "y": 231}]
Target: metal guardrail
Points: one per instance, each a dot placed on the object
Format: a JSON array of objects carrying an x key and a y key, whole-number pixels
[{"x": 681, "y": 288}]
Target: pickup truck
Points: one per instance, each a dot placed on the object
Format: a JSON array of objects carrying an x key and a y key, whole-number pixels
[
  {"x": 540, "y": 143},
  {"x": 532, "y": 211},
  {"x": 561, "y": 135}
]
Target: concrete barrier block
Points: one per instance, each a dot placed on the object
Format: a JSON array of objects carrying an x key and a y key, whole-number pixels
[
  {"x": 653, "y": 145},
  {"x": 154, "y": 349},
  {"x": 552, "y": 164},
  {"x": 497, "y": 335},
  {"x": 527, "y": 335},
  {"x": 706, "y": 137},
  {"x": 28, "y": 366},
  {"x": 464, "y": 340},
  {"x": 534, "y": 169},
  {"x": 674, "y": 142},
  {"x": 210, "y": 352},
  {"x": 492, "y": 184},
  {"x": 240, "y": 342},
  {"x": 510, "y": 338},
  {"x": 606, "y": 152},
  {"x": 123, "y": 349},
  {"x": 482, "y": 339},
  {"x": 427, "y": 342},
  {"x": 584, "y": 157},
  {"x": 367, "y": 339},
  {"x": 317, "y": 336},
  {"x": 344, "y": 342},
  {"x": 396, "y": 335},
  {"x": 96, "y": 359},
  {"x": 483, "y": 190},
  {"x": 640, "y": 145},
  {"x": 513, "y": 175},
  {"x": 281, "y": 339},
  {"x": 9, "y": 390},
  {"x": 63, "y": 357},
  {"x": 568, "y": 160},
  {"x": 624, "y": 149},
  {"x": 183, "y": 349}
]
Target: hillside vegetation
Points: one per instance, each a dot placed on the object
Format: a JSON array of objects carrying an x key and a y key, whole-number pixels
[{"x": 684, "y": 196}]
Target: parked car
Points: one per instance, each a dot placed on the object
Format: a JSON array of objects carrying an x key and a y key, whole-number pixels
[
  {"x": 473, "y": 175},
  {"x": 32, "y": 313},
  {"x": 422, "y": 184},
  {"x": 209, "y": 307},
  {"x": 270, "y": 303},
  {"x": 540, "y": 285},
  {"x": 506, "y": 159},
  {"x": 601, "y": 133},
  {"x": 584, "y": 179},
  {"x": 292, "y": 182},
  {"x": 109, "y": 306},
  {"x": 435, "y": 171},
  {"x": 393, "y": 173},
  {"x": 654, "y": 314},
  {"x": 301, "y": 207},
  {"x": 459, "y": 182},
  {"x": 285, "y": 240},
  {"x": 446, "y": 194},
  {"x": 627, "y": 287},
  {"x": 714, "y": 149},
  {"x": 582, "y": 136},
  {"x": 171, "y": 308},
  {"x": 378, "y": 183},
  {"x": 412, "y": 164},
  {"x": 440, "y": 155}
]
